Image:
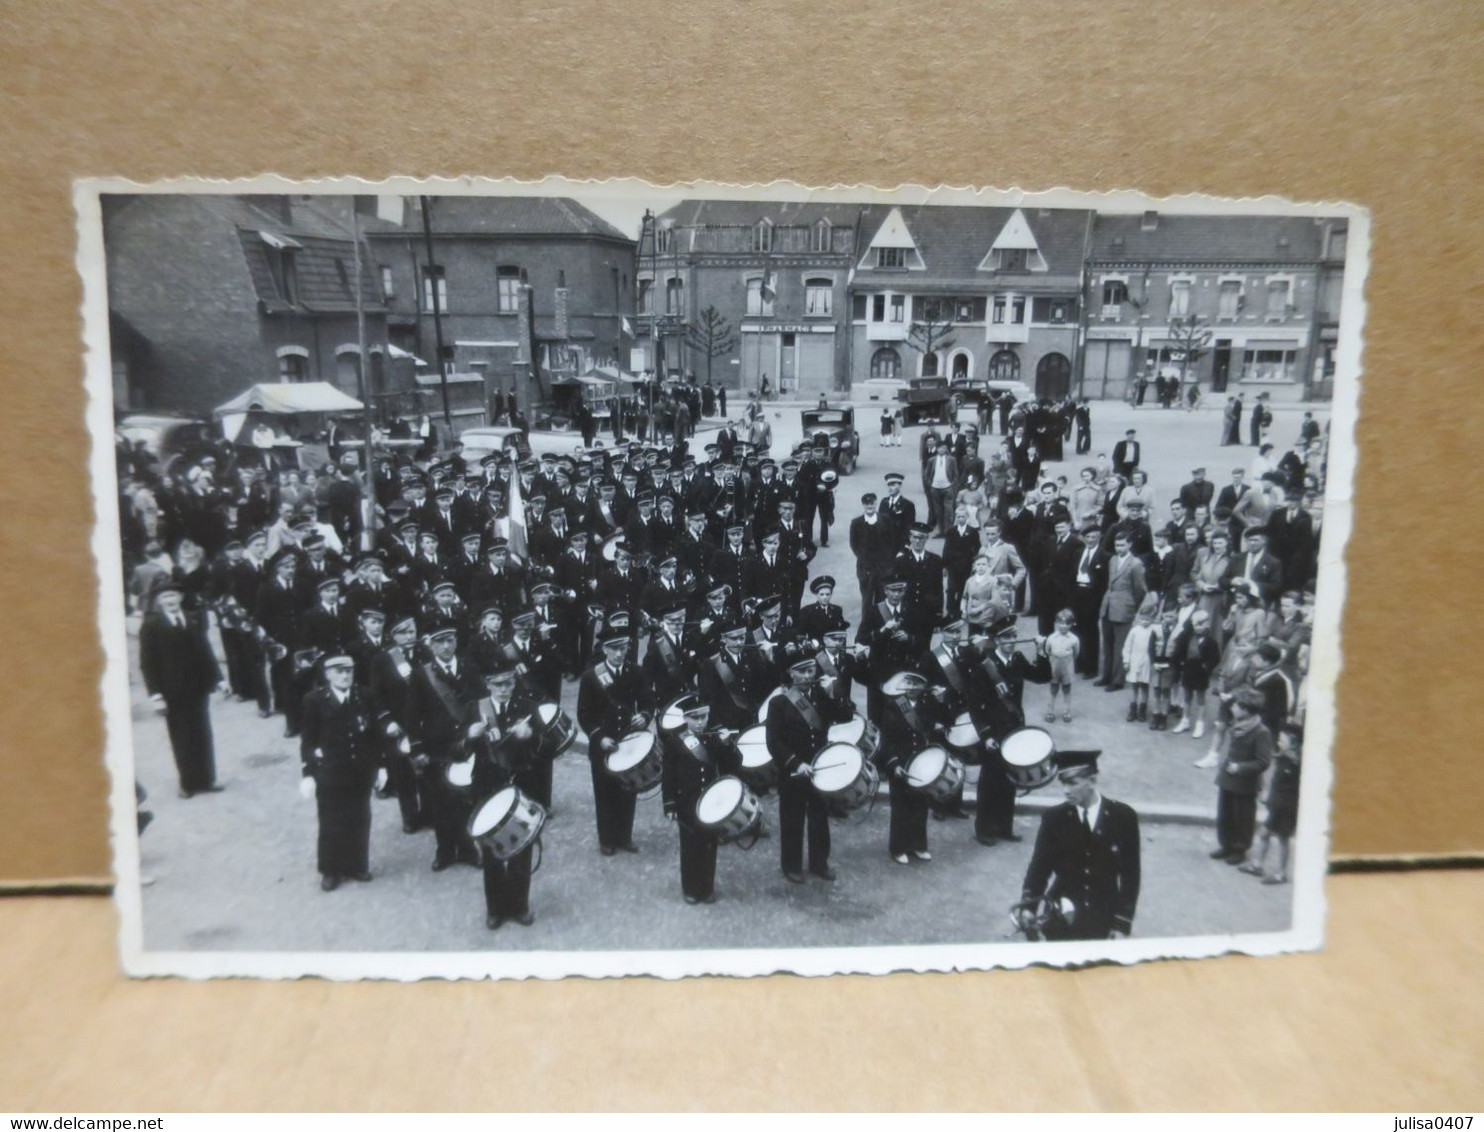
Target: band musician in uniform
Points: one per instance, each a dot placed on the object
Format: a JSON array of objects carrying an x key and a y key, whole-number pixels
[
  {"x": 695, "y": 758},
  {"x": 949, "y": 667},
  {"x": 1086, "y": 861},
  {"x": 612, "y": 700},
  {"x": 441, "y": 690},
  {"x": 798, "y": 728},
  {"x": 999, "y": 681},
  {"x": 909, "y": 722},
  {"x": 502, "y": 741},
  {"x": 338, "y": 749}
]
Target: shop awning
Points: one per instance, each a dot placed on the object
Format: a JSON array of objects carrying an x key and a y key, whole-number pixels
[
  {"x": 290, "y": 397},
  {"x": 398, "y": 352}
]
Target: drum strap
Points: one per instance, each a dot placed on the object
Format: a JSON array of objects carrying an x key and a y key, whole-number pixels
[
  {"x": 605, "y": 676},
  {"x": 441, "y": 690},
  {"x": 991, "y": 669},
  {"x": 950, "y": 669},
  {"x": 667, "y": 652},
  {"x": 805, "y": 708},
  {"x": 729, "y": 680}
]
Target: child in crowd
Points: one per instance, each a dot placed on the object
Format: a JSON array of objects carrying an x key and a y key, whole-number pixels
[
  {"x": 1282, "y": 803},
  {"x": 1061, "y": 649},
  {"x": 1164, "y": 667},
  {"x": 1137, "y": 669},
  {"x": 1198, "y": 661}
]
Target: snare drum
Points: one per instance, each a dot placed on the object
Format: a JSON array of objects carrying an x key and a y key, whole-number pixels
[
  {"x": 758, "y": 768},
  {"x": 555, "y": 730},
  {"x": 672, "y": 718},
  {"x": 860, "y": 732},
  {"x": 844, "y": 776},
  {"x": 460, "y": 775},
  {"x": 935, "y": 773},
  {"x": 963, "y": 739},
  {"x": 637, "y": 763},
  {"x": 728, "y": 810},
  {"x": 1030, "y": 757},
  {"x": 507, "y": 824}
]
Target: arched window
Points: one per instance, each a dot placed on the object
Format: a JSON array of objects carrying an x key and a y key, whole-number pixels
[
  {"x": 930, "y": 364},
  {"x": 762, "y": 236},
  {"x": 1004, "y": 366},
  {"x": 886, "y": 365},
  {"x": 675, "y": 296},
  {"x": 817, "y": 296},
  {"x": 820, "y": 237},
  {"x": 961, "y": 365}
]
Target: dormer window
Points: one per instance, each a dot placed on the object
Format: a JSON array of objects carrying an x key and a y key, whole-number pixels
[
  {"x": 762, "y": 236},
  {"x": 891, "y": 257},
  {"x": 819, "y": 236},
  {"x": 1150, "y": 221}
]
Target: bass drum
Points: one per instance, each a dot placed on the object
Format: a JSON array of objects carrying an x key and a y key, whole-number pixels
[
  {"x": 1030, "y": 758},
  {"x": 758, "y": 768},
  {"x": 728, "y": 810}
]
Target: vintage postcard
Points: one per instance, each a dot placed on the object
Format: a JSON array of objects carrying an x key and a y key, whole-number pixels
[{"x": 506, "y": 579}]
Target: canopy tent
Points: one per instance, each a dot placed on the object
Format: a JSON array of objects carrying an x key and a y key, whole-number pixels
[{"x": 286, "y": 397}]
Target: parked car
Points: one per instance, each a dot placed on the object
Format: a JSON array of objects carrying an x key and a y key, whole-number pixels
[
  {"x": 976, "y": 390},
  {"x": 166, "y": 438},
  {"x": 925, "y": 398},
  {"x": 837, "y": 426},
  {"x": 480, "y": 442}
]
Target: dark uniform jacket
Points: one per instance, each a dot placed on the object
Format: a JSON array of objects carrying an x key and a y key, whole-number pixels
[
  {"x": 1097, "y": 870},
  {"x": 608, "y": 701},
  {"x": 798, "y": 725},
  {"x": 436, "y": 704},
  {"x": 733, "y": 689},
  {"x": 338, "y": 740},
  {"x": 692, "y": 763}
]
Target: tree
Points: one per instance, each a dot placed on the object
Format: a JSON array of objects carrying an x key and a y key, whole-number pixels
[
  {"x": 1190, "y": 338},
  {"x": 931, "y": 332},
  {"x": 711, "y": 336}
]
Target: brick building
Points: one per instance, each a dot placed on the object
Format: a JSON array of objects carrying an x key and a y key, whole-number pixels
[
  {"x": 1008, "y": 280},
  {"x": 517, "y": 279},
  {"x": 1253, "y": 281},
  {"x": 777, "y": 271},
  {"x": 209, "y": 294}
]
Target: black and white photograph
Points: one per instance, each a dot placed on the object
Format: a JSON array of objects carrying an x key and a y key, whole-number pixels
[{"x": 561, "y": 578}]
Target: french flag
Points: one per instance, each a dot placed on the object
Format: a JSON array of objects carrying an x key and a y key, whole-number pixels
[{"x": 517, "y": 518}]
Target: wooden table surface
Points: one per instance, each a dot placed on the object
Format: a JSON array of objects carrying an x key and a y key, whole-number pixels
[{"x": 1389, "y": 1018}]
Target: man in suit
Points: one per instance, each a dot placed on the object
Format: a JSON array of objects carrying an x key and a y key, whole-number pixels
[
  {"x": 960, "y": 547},
  {"x": 1226, "y": 503},
  {"x": 873, "y": 542},
  {"x": 441, "y": 690},
  {"x": 1057, "y": 583},
  {"x": 1198, "y": 492},
  {"x": 797, "y": 729},
  {"x": 1089, "y": 583},
  {"x": 1126, "y": 454},
  {"x": 1083, "y": 417},
  {"x": 1259, "y": 566},
  {"x": 338, "y": 749},
  {"x": 180, "y": 673},
  {"x": 1125, "y": 591},
  {"x": 1086, "y": 855},
  {"x": 940, "y": 479},
  {"x": 1291, "y": 538},
  {"x": 613, "y": 698}
]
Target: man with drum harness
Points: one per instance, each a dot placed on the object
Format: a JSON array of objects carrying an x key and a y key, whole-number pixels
[
  {"x": 441, "y": 690},
  {"x": 798, "y": 729},
  {"x": 998, "y": 682},
  {"x": 391, "y": 695},
  {"x": 337, "y": 745},
  {"x": 896, "y": 636},
  {"x": 732, "y": 682},
  {"x": 499, "y": 736},
  {"x": 694, "y": 759},
  {"x": 613, "y": 699},
  {"x": 910, "y": 721},
  {"x": 670, "y": 661},
  {"x": 538, "y": 675},
  {"x": 948, "y": 667},
  {"x": 1083, "y": 879}
]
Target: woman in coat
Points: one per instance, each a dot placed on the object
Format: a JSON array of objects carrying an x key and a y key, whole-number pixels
[{"x": 1213, "y": 564}]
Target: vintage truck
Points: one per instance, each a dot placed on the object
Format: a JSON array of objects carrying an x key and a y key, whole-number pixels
[
  {"x": 836, "y": 424},
  {"x": 925, "y": 399}
]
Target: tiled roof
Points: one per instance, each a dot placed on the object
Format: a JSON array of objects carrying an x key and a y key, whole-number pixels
[
  {"x": 507, "y": 216},
  {"x": 749, "y": 212},
  {"x": 955, "y": 239},
  {"x": 1208, "y": 239}
]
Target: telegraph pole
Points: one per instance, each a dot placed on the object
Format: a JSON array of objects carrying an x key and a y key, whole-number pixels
[
  {"x": 437, "y": 305},
  {"x": 368, "y": 483}
]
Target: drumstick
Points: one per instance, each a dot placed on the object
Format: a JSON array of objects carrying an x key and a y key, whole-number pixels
[{"x": 829, "y": 766}]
